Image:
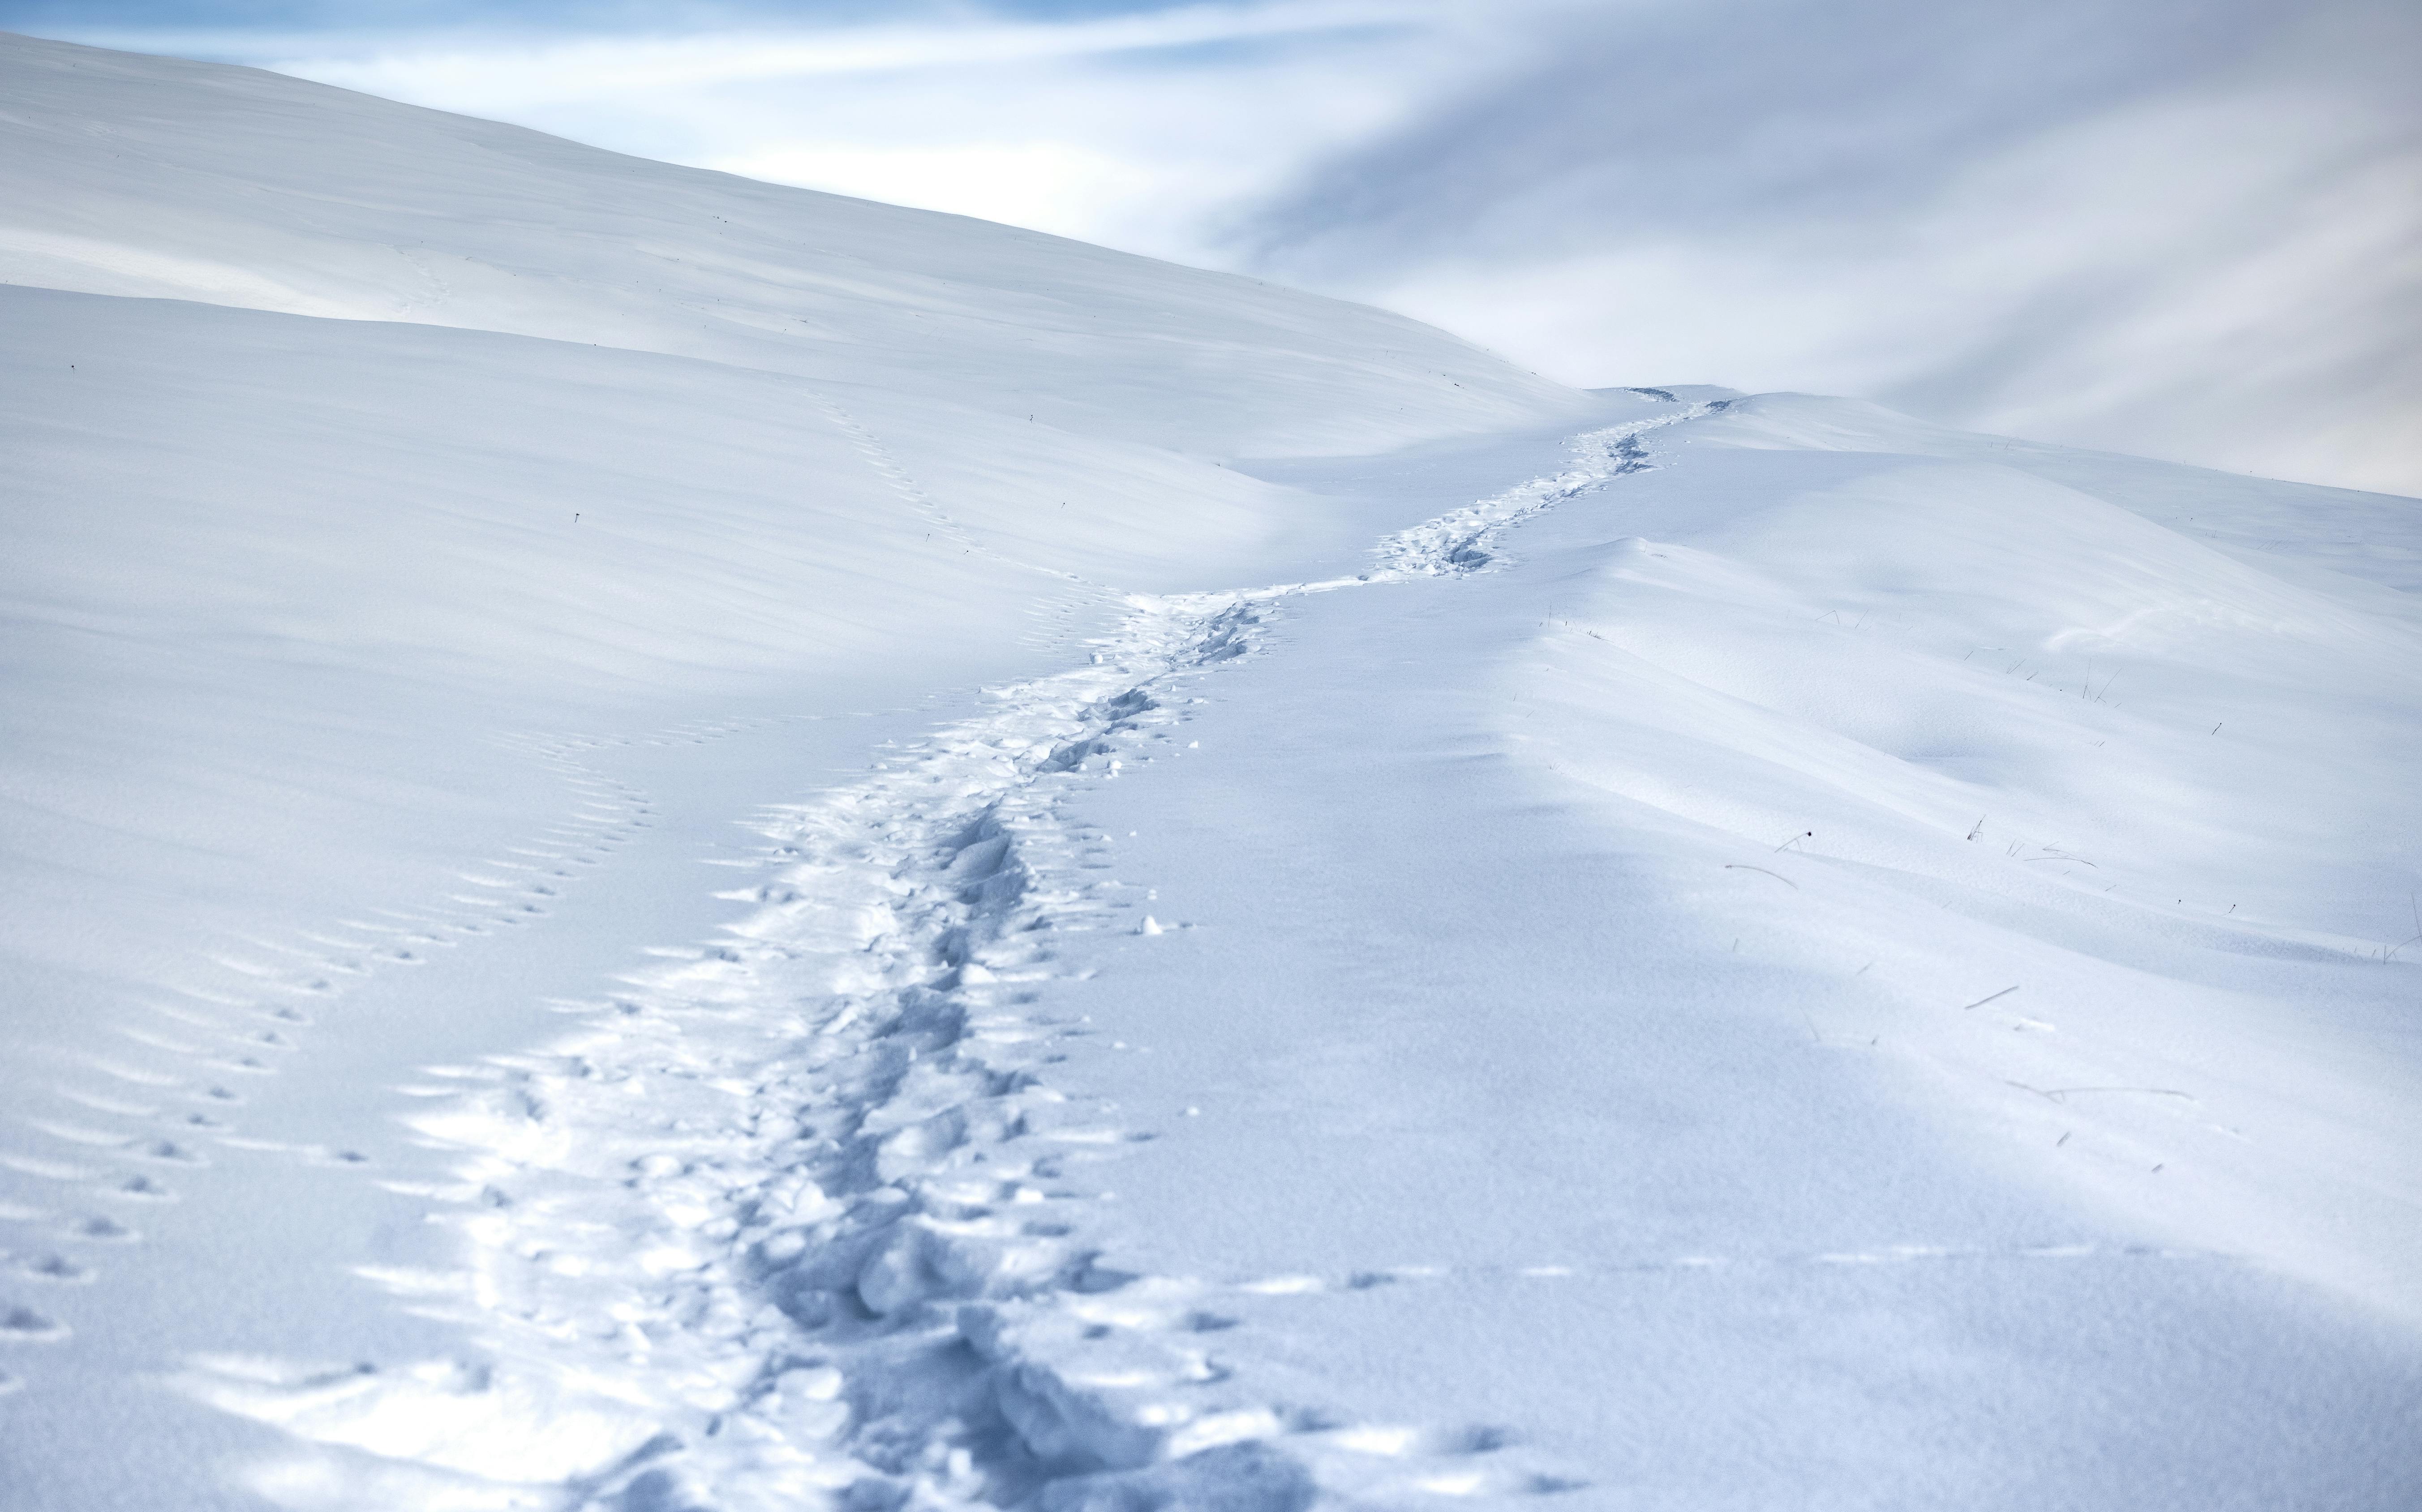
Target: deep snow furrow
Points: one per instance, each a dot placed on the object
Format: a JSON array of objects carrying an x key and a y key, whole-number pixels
[{"x": 799, "y": 1218}]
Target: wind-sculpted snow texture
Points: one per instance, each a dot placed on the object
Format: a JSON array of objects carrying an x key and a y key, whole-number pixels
[{"x": 848, "y": 1211}]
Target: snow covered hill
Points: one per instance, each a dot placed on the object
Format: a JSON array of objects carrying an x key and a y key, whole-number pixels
[
  {"x": 677, "y": 845},
  {"x": 149, "y": 177}
]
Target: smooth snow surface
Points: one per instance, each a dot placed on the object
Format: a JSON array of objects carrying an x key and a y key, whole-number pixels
[{"x": 628, "y": 889}]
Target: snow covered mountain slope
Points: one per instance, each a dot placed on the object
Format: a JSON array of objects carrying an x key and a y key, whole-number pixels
[
  {"x": 425, "y": 540},
  {"x": 627, "y": 889},
  {"x": 1658, "y": 1010},
  {"x": 1441, "y": 1035},
  {"x": 272, "y": 579},
  {"x": 151, "y": 177}
]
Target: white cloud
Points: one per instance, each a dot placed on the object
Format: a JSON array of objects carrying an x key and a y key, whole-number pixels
[
  {"x": 528, "y": 75},
  {"x": 1043, "y": 183},
  {"x": 1135, "y": 130}
]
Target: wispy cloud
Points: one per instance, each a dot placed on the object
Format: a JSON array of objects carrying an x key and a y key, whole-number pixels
[
  {"x": 538, "y": 71},
  {"x": 1139, "y": 125},
  {"x": 2183, "y": 227}
]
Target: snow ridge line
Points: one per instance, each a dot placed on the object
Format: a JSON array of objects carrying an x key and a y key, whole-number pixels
[
  {"x": 798, "y": 1221},
  {"x": 1459, "y": 541}
]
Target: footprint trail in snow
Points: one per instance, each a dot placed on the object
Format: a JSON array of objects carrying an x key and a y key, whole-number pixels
[{"x": 799, "y": 1218}]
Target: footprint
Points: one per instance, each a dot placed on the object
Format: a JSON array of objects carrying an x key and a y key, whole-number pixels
[
  {"x": 22, "y": 1325},
  {"x": 1389, "y": 1442},
  {"x": 57, "y": 1268}
]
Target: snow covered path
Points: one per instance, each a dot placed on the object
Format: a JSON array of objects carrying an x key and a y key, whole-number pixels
[
  {"x": 1409, "y": 1137},
  {"x": 1658, "y": 1143},
  {"x": 795, "y": 1213}
]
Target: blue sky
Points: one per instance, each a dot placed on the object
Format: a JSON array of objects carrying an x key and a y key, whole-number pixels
[{"x": 2187, "y": 228}]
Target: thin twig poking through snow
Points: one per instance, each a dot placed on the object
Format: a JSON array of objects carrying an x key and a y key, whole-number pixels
[
  {"x": 2414, "y": 900},
  {"x": 2062, "y": 1093},
  {"x": 1736, "y": 866}
]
